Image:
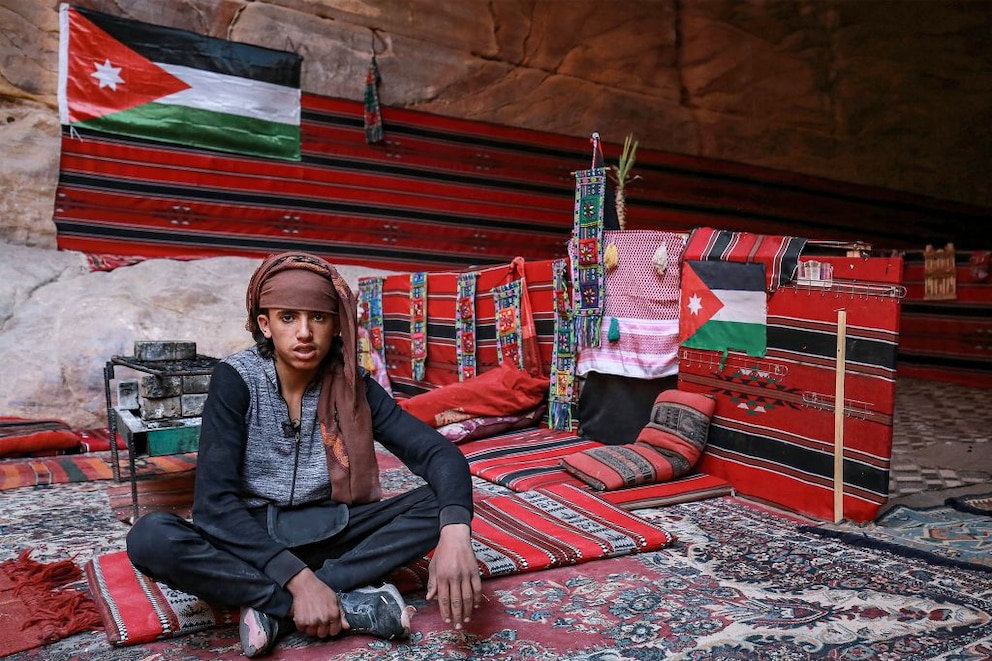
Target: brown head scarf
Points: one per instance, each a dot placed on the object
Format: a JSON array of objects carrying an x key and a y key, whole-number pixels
[{"x": 343, "y": 409}]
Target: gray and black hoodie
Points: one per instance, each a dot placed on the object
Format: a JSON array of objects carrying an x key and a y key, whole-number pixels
[{"x": 249, "y": 460}]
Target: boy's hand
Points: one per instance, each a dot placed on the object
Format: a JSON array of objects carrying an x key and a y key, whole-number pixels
[{"x": 454, "y": 575}]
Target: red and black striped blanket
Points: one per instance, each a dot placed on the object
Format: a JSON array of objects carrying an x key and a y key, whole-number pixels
[{"x": 511, "y": 534}]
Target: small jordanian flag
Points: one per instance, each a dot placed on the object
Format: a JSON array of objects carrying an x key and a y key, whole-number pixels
[
  {"x": 147, "y": 81},
  {"x": 724, "y": 307}
]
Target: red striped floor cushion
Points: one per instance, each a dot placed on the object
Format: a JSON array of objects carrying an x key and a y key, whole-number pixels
[
  {"x": 526, "y": 459},
  {"x": 510, "y": 534},
  {"x": 668, "y": 447}
]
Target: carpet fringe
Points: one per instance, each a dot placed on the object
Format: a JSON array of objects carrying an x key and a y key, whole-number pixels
[{"x": 57, "y": 611}]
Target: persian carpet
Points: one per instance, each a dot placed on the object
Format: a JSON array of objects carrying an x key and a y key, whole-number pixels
[
  {"x": 940, "y": 534},
  {"x": 740, "y": 583},
  {"x": 38, "y": 471}
]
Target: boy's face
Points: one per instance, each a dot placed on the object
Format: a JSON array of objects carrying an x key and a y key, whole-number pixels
[{"x": 301, "y": 338}]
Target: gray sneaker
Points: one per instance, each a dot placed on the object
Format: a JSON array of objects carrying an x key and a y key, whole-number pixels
[
  {"x": 258, "y": 632},
  {"x": 377, "y": 612}
]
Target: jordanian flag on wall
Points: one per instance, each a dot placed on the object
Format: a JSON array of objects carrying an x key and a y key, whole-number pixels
[
  {"x": 146, "y": 81},
  {"x": 723, "y": 307}
]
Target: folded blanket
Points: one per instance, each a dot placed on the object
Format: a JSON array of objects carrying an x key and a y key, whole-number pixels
[{"x": 502, "y": 391}]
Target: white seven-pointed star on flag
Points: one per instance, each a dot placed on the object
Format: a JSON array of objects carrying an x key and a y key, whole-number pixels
[
  {"x": 108, "y": 75},
  {"x": 695, "y": 303}
]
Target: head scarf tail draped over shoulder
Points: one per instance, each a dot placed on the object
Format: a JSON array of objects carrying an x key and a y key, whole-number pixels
[{"x": 343, "y": 408}]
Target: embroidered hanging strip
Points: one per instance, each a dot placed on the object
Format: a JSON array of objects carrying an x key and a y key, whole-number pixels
[
  {"x": 562, "y": 388},
  {"x": 418, "y": 323},
  {"x": 465, "y": 326},
  {"x": 586, "y": 251},
  {"x": 370, "y": 296},
  {"x": 509, "y": 335},
  {"x": 373, "y": 112}
]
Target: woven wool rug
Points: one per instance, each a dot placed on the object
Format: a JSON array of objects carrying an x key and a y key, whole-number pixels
[
  {"x": 941, "y": 534},
  {"x": 739, "y": 583},
  {"x": 92, "y": 466},
  {"x": 37, "y": 604}
]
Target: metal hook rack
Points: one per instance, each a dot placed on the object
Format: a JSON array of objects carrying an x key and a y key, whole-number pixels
[
  {"x": 864, "y": 290},
  {"x": 716, "y": 362},
  {"x": 852, "y": 408}
]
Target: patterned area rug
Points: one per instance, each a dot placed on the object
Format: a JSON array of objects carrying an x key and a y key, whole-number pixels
[
  {"x": 976, "y": 504},
  {"x": 40, "y": 471},
  {"x": 741, "y": 583},
  {"x": 941, "y": 534}
]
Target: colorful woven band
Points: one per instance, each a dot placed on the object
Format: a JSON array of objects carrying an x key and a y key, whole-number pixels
[
  {"x": 418, "y": 323},
  {"x": 373, "y": 113},
  {"x": 586, "y": 251},
  {"x": 465, "y": 326},
  {"x": 562, "y": 388},
  {"x": 509, "y": 334},
  {"x": 370, "y": 297}
]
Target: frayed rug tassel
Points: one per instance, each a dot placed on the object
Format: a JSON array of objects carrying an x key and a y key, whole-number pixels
[
  {"x": 25, "y": 571},
  {"x": 49, "y": 610}
]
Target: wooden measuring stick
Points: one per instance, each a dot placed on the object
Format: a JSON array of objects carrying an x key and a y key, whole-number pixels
[{"x": 839, "y": 416}]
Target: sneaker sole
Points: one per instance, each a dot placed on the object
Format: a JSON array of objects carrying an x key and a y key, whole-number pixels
[{"x": 252, "y": 633}]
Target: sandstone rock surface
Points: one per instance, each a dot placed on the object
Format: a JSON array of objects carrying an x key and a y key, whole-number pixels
[
  {"x": 60, "y": 322},
  {"x": 888, "y": 93}
]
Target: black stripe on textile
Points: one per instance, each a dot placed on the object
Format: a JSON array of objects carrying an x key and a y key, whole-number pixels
[
  {"x": 390, "y": 325},
  {"x": 967, "y": 363},
  {"x": 778, "y": 452},
  {"x": 699, "y": 174},
  {"x": 976, "y": 311},
  {"x": 565, "y": 191},
  {"x": 325, "y": 205},
  {"x": 483, "y": 332},
  {"x": 513, "y": 449},
  {"x": 167, "y": 45},
  {"x": 858, "y": 350},
  {"x": 509, "y": 478},
  {"x": 243, "y": 242}
]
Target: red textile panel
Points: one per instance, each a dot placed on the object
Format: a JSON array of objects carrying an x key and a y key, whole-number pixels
[
  {"x": 949, "y": 340},
  {"x": 440, "y": 366},
  {"x": 772, "y": 435}
]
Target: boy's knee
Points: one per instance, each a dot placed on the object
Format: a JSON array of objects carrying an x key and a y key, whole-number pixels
[{"x": 148, "y": 539}]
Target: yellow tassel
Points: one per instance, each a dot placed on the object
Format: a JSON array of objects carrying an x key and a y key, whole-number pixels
[{"x": 611, "y": 257}]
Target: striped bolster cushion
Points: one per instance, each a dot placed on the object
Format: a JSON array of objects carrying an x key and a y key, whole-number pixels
[{"x": 666, "y": 449}]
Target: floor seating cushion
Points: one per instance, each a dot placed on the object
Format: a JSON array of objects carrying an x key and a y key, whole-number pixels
[
  {"x": 668, "y": 447},
  {"x": 511, "y": 534}
]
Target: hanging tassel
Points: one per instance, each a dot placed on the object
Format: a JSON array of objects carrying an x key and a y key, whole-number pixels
[
  {"x": 614, "y": 333},
  {"x": 373, "y": 114},
  {"x": 65, "y": 613},
  {"x": 57, "y": 611},
  {"x": 611, "y": 257},
  {"x": 24, "y": 570}
]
